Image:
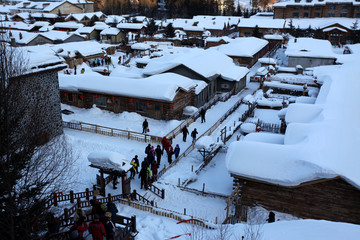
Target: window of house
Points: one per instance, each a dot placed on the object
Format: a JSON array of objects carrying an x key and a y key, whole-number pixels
[
  {"x": 316, "y": 14},
  {"x": 306, "y": 15},
  {"x": 343, "y": 14},
  {"x": 100, "y": 101},
  {"x": 157, "y": 107},
  {"x": 296, "y": 8},
  {"x": 306, "y": 8},
  {"x": 295, "y": 14},
  {"x": 317, "y": 7},
  {"x": 140, "y": 106},
  {"x": 332, "y": 6},
  {"x": 344, "y": 6},
  {"x": 331, "y": 14}
]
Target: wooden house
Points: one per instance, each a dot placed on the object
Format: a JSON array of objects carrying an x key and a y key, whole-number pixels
[
  {"x": 112, "y": 35},
  {"x": 336, "y": 33},
  {"x": 246, "y": 50},
  {"x": 89, "y": 33},
  {"x": 87, "y": 19},
  {"x": 170, "y": 94}
]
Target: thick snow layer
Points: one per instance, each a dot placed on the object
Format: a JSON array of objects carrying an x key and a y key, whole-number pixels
[
  {"x": 267, "y": 61},
  {"x": 163, "y": 86},
  {"x": 109, "y": 160},
  {"x": 303, "y": 113},
  {"x": 265, "y": 137},
  {"x": 248, "y": 127},
  {"x": 243, "y": 47},
  {"x": 303, "y": 99},
  {"x": 204, "y": 142},
  {"x": 217, "y": 64},
  {"x": 310, "y": 48}
]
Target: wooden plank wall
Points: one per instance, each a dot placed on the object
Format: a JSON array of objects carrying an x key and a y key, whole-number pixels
[{"x": 333, "y": 199}]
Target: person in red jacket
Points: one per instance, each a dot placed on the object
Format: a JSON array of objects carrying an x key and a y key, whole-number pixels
[
  {"x": 80, "y": 226},
  {"x": 97, "y": 229}
]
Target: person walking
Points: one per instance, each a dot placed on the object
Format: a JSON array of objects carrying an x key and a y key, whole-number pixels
[
  {"x": 137, "y": 163},
  {"x": 145, "y": 126},
  {"x": 78, "y": 229},
  {"x": 154, "y": 170},
  {"x": 132, "y": 169},
  {"x": 177, "y": 151},
  {"x": 185, "y": 132},
  {"x": 142, "y": 176},
  {"x": 111, "y": 207},
  {"x": 202, "y": 114},
  {"x": 170, "y": 153},
  {"x": 109, "y": 227},
  {"x": 193, "y": 134},
  {"x": 148, "y": 177},
  {"x": 159, "y": 153},
  {"x": 97, "y": 229},
  {"x": 147, "y": 149}
]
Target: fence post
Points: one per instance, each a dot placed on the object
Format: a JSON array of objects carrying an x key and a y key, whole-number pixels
[
  {"x": 128, "y": 135},
  {"x": 152, "y": 203},
  {"x": 87, "y": 194},
  {"x": 203, "y": 188},
  {"x": 178, "y": 182},
  {"x": 133, "y": 220},
  {"x": 66, "y": 213},
  {"x": 163, "y": 193},
  {"x": 78, "y": 203},
  {"x": 216, "y": 220},
  {"x": 71, "y": 196},
  {"x": 192, "y": 168},
  {"x": 55, "y": 199},
  {"x": 109, "y": 196}
]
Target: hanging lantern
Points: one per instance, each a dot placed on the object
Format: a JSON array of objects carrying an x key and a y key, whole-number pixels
[
  {"x": 258, "y": 129},
  {"x": 264, "y": 78},
  {"x": 269, "y": 75},
  {"x": 283, "y": 103},
  {"x": 131, "y": 101},
  {"x": 171, "y": 106},
  {"x": 256, "y": 78},
  {"x": 96, "y": 96},
  {"x": 315, "y": 81},
  {"x": 104, "y": 70},
  {"x": 113, "y": 98},
  {"x": 305, "y": 88},
  {"x": 82, "y": 97},
  {"x": 147, "y": 103},
  {"x": 66, "y": 94}
]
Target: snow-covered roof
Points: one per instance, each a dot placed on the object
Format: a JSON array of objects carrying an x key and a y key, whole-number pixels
[
  {"x": 333, "y": 28},
  {"x": 309, "y": 47},
  {"x": 69, "y": 25},
  {"x": 273, "y": 37},
  {"x": 267, "y": 61},
  {"x": 109, "y": 161},
  {"x": 110, "y": 31},
  {"x": 243, "y": 47},
  {"x": 83, "y": 30},
  {"x": 17, "y": 25},
  {"x": 282, "y": 4},
  {"x": 217, "y": 64},
  {"x": 133, "y": 26},
  {"x": 163, "y": 86},
  {"x": 114, "y": 19},
  {"x": 140, "y": 46},
  {"x": 58, "y": 35},
  {"x": 81, "y": 16},
  {"x": 321, "y": 139},
  {"x": 85, "y": 48}
]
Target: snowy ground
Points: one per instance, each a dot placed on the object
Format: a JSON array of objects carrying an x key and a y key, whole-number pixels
[{"x": 215, "y": 176}]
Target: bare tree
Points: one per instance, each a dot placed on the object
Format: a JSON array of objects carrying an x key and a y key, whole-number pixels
[
  {"x": 32, "y": 163},
  {"x": 223, "y": 232}
]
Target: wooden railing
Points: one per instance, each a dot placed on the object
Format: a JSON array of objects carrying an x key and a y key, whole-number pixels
[
  {"x": 137, "y": 197},
  {"x": 157, "y": 191},
  {"x": 93, "y": 128},
  {"x": 57, "y": 197},
  {"x": 234, "y": 196}
]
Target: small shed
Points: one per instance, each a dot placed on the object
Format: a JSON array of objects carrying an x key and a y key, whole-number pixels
[{"x": 113, "y": 164}]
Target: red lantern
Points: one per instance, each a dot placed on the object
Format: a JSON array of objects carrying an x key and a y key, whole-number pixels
[
  {"x": 315, "y": 81},
  {"x": 305, "y": 88},
  {"x": 264, "y": 78},
  {"x": 82, "y": 97},
  {"x": 113, "y": 98},
  {"x": 66, "y": 94},
  {"x": 258, "y": 129},
  {"x": 268, "y": 75},
  {"x": 105, "y": 70},
  {"x": 96, "y": 96},
  {"x": 148, "y": 103},
  {"x": 283, "y": 103},
  {"x": 171, "y": 106},
  {"x": 131, "y": 101},
  {"x": 256, "y": 78}
]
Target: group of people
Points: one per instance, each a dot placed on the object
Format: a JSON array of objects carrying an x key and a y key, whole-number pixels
[
  {"x": 185, "y": 132},
  {"x": 103, "y": 224},
  {"x": 97, "y": 62}
]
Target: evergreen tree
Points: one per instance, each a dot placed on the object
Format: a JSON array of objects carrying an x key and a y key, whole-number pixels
[
  {"x": 256, "y": 32},
  {"x": 291, "y": 28},
  {"x": 355, "y": 32},
  {"x": 151, "y": 28},
  {"x": 170, "y": 31},
  {"x": 246, "y": 13}
]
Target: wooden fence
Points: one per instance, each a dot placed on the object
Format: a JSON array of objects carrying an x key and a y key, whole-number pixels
[
  {"x": 57, "y": 197},
  {"x": 93, "y": 128},
  {"x": 168, "y": 213}
]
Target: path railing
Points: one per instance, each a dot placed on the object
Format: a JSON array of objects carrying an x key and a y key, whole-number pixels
[
  {"x": 57, "y": 197},
  {"x": 93, "y": 128}
]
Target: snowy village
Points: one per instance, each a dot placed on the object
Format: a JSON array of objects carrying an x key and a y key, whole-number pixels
[{"x": 198, "y": 120}]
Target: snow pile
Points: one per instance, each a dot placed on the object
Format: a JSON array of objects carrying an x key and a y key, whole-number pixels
[
  {"x": 204, "y": 142},
  {"x": 265, "y": 137},
  {"x": 109, "y": 160},
  {"x": 248, "y": 127},
  {"x": 243, "y": 47},
  {"x": 309, "y": 47},
  {"x": 189, "y": 110}
]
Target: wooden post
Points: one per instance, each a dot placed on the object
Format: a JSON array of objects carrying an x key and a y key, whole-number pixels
[
  {"x": 66, "y": 213},
  {"x": 78, "y": 203},
  {"x": 203, "y": 188},
  {"x": 184, "y": 211},
  {"x": 192, "y": 168},
  {"x": 71, "y": 196},
  {"x": 133, "y": 225},
  {"x": 179, "y": 182},
  {"x": 163, "y": 193},
  {"x": 87, "y": 194},
  {"x": 216, "y": 220},
  {"x": 234, "y": 123},
  {"x": 55, "y": 199},
  {"x": 152, "y": 203},
  {"x": 109, "y": 197}
]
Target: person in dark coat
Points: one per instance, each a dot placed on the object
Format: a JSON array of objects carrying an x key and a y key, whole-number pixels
[
  {"x": 147, "y": 149},
  {"x": 170, "y": 153},
  {"x": 97, "y": 229},
  {"x": 111, "y": 207},
  {"x": 80, "y": 226},
  {"x": 143, "y": 176},
  {"x": 159, "y": 153},
  {"x": 185, "y": 132},
  {"x": 145, "y": 126},
  {"x": 154, "y": 170},
  {"x": 137, "y": 163},
  {"x": 109, "y": 227},
  {"x": 97, "y": 209},
  {"x": 177, "y": 151},
  {"x": 271, "y": 218},
  {"x": 202, "y": 115},
  {"x": 193, "y": 134}
]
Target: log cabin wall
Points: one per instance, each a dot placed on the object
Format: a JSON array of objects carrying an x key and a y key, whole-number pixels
[{"x": 328, "y": 199}]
